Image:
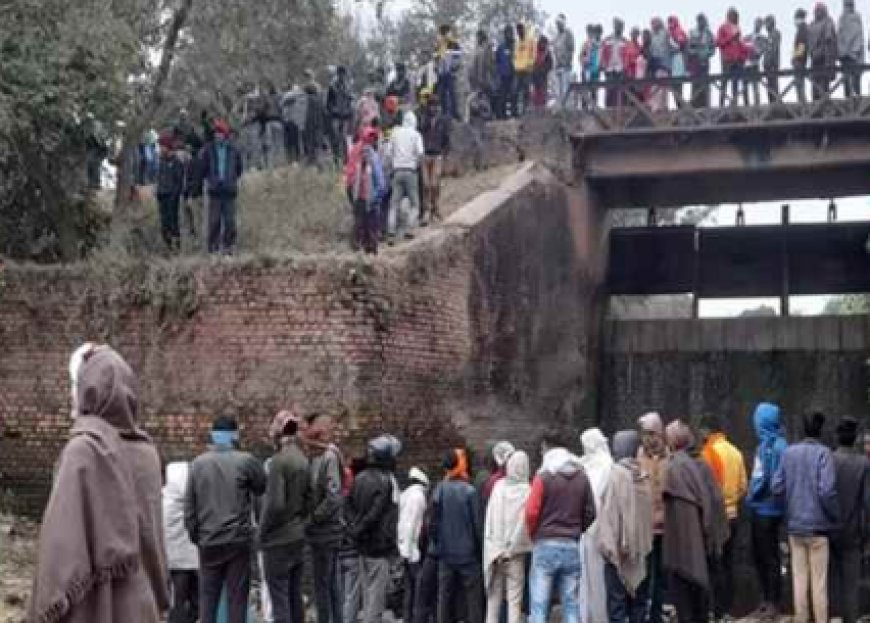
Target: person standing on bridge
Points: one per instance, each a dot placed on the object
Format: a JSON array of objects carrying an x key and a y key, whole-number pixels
[
  {"x": 733, "y": 52},
  {"x": 504, "y": 66},
  {"x": 614, "y": 60},
  {"x": 524, "y": 65},
  {"x": 770, "y": 63},
  {"x": 541, "y": 74},
  {"x": 702, "y": 47},
  {"x": 101, "y": 555},
  {"x": 850, "y": 44},
  {"x": 757, "y": 44},
  {"x": 822, "y": 48},
  {"x": 807, "y": 479},
  {"x": 563, "y": 51},
  {"x": 660, "y": 63},
  {"x": 799, "y": 56}
]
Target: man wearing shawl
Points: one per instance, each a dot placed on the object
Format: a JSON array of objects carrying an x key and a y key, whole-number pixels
[
  {"x": 181, "y": 554},
  {"x": 688, "y": 526},
  {"x": 653, "y": 457},
  {"x": 506, "y": 542},
  {"x": 285, "y": 515},
  {"x": 625, "y": 532},
  {"x": 221, "y": 489},
  {"x": 457, "y": 530},
  {"x": 501, "y": 452},
  {"x": 101, "y": 555},
  {"x": 560, "y": 508},
  {"x": 597, "y": 462},
  {"x": 412, "y": 512}
]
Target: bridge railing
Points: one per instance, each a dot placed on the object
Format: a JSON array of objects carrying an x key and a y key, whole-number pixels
[{"x": 717, "y": 100}]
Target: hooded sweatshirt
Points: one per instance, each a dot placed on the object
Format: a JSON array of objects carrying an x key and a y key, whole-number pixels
[
  {"x": 406, "y": 144},
  {"x": 561, "y": 504},
  {"x": 767, "y": 459},
  {"x": 729, "y": 470},
  {"x": 101, "y": 555},
  {"x": 625, "y": 524},
  {"x": 181, "y": 554},
  {"x": 505, "y": 528},
  {"x": 598, "y": 463},
  {"x": 456, "y": 526},
  {"x": 412, "y": 510}
]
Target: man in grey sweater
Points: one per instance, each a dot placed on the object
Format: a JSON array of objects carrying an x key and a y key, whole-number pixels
[{"x": 222, "y": 485}]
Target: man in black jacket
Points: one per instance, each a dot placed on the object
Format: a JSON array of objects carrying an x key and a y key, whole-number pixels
[
  {"x": 457, "y": 528},
  {"x": 374, "y": 514},
  {"x": 847, "y": 543},
  {"x": 283, "y": 520},
  {"x": 339, "y": 107},
  {"x": 170, "y": 185},
  {"x": 217, "y": 514}
]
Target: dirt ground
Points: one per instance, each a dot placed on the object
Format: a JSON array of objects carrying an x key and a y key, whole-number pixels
[{"x": 17, "y": 553}]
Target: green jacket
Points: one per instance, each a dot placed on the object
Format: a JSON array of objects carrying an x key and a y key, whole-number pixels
[{"x": 287, "y": 501}]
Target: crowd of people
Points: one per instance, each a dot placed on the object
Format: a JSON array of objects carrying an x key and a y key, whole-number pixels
[{"x": 645, "y": 519}]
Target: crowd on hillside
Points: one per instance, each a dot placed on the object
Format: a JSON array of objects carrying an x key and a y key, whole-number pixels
[
  {"x": 635, "y": 523},
  {"x": 392, "y": 134}
]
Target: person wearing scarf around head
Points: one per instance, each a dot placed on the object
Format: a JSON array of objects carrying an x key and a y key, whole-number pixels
[
  {"x": 101, "y": 556},
  {"x": 689, "y": 526},
  {"x": 325, "y": 530},
  {"x": 560, "y": 508},
  {"x": 366, "y": 187},
  {"x": 412, "y": 511},
  {"x": 501, "y": 452},
  {"x": 506, "y": 542},
  {"x": 597, "y": 462},
  {"x": 218, "y": 505},
  {"x": 373, "y": 517},
  {"x": 653, "y": 457},
  {"x": 284, "y": 517},
  {"x": 457, "y": 531},
  {"x": 625, "y": 532}
]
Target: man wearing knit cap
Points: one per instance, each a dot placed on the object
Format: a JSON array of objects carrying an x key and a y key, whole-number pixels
[
  {"x": 501, "y": 452},
  {"x": 457, "y": 531},
  {"x": 412, "y": 510},
  {"x": 653, "y": 457},
  {"x": 285, "y": 514},
  {"x": 221, "y": 169}
]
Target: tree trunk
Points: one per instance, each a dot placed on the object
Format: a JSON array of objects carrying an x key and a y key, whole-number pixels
[{"x": 142, "y": 120}]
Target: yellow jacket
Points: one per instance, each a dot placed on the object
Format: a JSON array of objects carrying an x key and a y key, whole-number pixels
[
  {"x": 525, "y": 52},
  {"x": 728, "y": 467}
]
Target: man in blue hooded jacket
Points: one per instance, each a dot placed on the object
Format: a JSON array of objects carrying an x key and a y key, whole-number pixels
[{"x": 766, "y": 510}]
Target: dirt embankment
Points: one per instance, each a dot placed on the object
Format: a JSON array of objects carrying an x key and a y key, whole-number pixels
[{"x": 17, "y": 555}]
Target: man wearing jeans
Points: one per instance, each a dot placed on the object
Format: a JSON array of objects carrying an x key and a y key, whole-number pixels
[
  {"x": 217, "y": 514},
  {"x": 282, "y": 524},
  {"x": 563, "y": 51},
  {"x": 807, "y": 479},
  {"x": 406, "y": 147},
  {"x": 560, "y": 508}
]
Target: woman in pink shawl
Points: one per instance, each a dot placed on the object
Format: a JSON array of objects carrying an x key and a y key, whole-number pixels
[{"x": 101, "y": 555}]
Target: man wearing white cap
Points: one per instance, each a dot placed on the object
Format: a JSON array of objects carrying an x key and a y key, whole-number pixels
[
  {"x": 412, "y": 509},
  {"x": 501, "y": 452}
]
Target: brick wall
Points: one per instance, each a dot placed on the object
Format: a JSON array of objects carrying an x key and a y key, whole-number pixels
[{"x": 460, "y": 337}]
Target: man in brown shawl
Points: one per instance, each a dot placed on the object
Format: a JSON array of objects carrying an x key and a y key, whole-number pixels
[
  {"x": 101, "y": 556},
  {"x": 689, "y": 524}
]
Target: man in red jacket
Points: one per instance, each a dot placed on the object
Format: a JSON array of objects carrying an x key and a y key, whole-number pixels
[
  {"x": 733, "y": 50},
  {"x": 560, "y": 508}
]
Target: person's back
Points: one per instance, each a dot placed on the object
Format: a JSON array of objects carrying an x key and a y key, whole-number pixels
[
  {"x": 728, "y": 467},
  {"x": 286, "y": 499},
  {"x": 407, "y": 144},
  {"x": 459, "y": 522}
]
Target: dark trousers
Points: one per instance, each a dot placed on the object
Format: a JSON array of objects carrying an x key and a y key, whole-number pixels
[
  {"x": 412, "y": 574},
  {"x": 224, "y": 565},
  {"x": 452, "y": 579},
  {"x": 185, "y": 597},
  {"x": 523, "y": 93},
  {"x": 613, "y": 96},
  {"x": 800, "y": 83},
  {"x": 447, "y": 95},
  {"x": 821, "y": 80},
  {"x": 845, "y": 578},
  {"x": 722, "y": 572},
  {"x": 291, "y": 142},
  {"x": 701, "y": 87},
  {"x": 765, "y": 550},
  {"x": 426, "y": 595},
  {"x": 324, "y": 561},
  {"x": 621, "y": 606},
  {"x": 657, "y": 581},
  {"x": 772, "y": 86},
  {"x": 689, "y": 598},
  {"x": 851, "y": 76},
  {"x": 169, "y": 227},
  {"x": 504, "y": 97},
  {"x": 366, "y": 226},
  {"x": 339, "y": 131},
  {"x": 735, "y": 79},
  {"x": 221, "y": 223},
  {"x": 282, "y": 567}
]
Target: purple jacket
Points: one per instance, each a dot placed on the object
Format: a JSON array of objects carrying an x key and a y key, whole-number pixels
[{"x": 807, "y": 478}]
